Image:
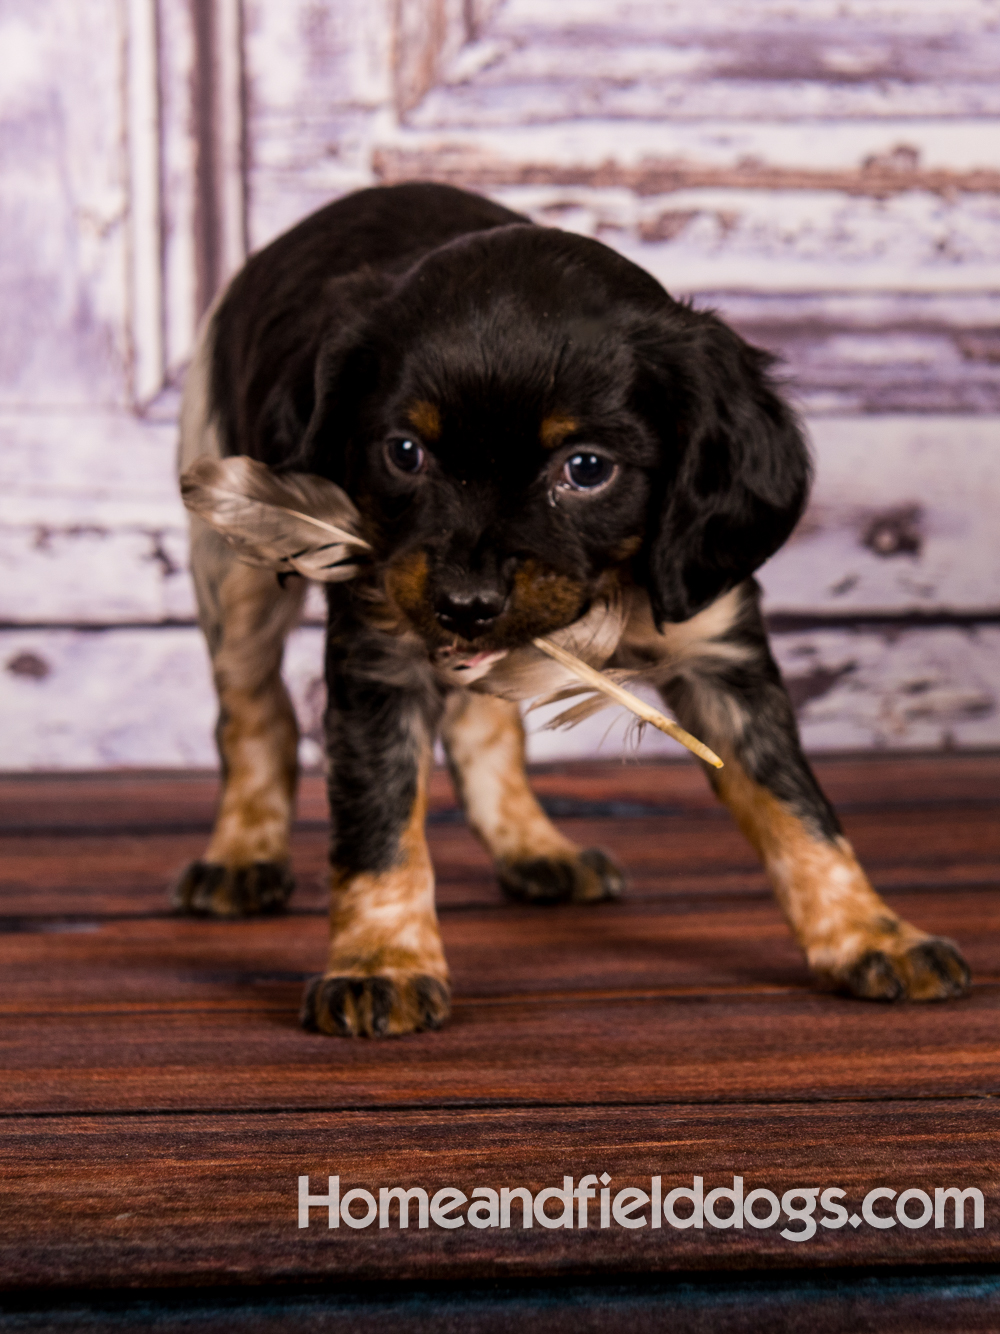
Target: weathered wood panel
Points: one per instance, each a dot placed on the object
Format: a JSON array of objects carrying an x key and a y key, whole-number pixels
[
  {"x": 94, "y": 698},
  {"x": 64, "y": 206},
  {"x": 826, "y": 177},
  {"x": 683, "y": 61},
  {"x": 141, "y": 696},
  {"x": 901, "y": 521},
  {"x": 879, "y": 353}
]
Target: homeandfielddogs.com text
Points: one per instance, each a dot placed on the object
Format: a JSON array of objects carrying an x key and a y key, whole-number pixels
[{"x": 592, "y": 1202}]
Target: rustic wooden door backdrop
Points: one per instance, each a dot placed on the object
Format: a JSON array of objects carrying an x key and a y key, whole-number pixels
[{"x": 826, "y": 174}]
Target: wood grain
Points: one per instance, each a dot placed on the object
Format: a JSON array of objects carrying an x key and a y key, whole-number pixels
[
  {"x": 827, "y": 180},
  {"x": 159, "y": 1099},
  {"x": 201, "y": 1200},
  {"x": 87, "y": 848},
  {"x": 134, "y": 798},
  {"x": 740, "y": 1043}
]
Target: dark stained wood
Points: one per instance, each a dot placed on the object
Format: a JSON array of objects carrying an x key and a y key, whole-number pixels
[
  {"x": 214, "y": 1199},
  {"x": 728, "y": 1045},
  {"x": 108, "y": 872},
  {"x": 159, "y": 1099},
  {"x": 686, "y": 945},
  {"x": 123, "y": 799}
]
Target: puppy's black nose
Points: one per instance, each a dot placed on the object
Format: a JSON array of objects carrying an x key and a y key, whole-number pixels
[{"x": 469, "y": 614}]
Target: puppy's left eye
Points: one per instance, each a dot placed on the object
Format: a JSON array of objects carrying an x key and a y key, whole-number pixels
[{"x": 587, "y": 472}]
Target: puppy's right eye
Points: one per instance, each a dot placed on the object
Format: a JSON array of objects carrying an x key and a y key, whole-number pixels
[{"x": 406, "y": 455}]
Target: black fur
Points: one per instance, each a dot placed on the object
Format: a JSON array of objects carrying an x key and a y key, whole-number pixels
[
  {"x": 767, "y": 745},
  {"x": 381, "y": 707}
]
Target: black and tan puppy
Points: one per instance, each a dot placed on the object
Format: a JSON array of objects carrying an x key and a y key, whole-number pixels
[{"x": 538, "y": 440}]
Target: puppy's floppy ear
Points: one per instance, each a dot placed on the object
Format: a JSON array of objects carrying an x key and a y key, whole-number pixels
[
  {"x": 346, "y": 371},
  {"x": 736, "y": 471}
]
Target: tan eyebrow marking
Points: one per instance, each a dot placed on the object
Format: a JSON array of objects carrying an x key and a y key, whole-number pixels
[
  {"x": 425, "y": 418},
  {"x": 555, "y": 429}
]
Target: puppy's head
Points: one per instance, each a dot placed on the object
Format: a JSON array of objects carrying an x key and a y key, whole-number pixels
[{"x": 524, "y": 414}]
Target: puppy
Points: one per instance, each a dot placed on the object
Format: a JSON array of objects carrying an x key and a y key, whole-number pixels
[{"x": 535, "y": 439}]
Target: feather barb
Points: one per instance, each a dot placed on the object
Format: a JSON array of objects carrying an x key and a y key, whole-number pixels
[{"x": 598, "y": 681}]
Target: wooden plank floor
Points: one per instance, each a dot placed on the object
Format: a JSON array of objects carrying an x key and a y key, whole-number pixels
[{"x": 159, "y": 1100}]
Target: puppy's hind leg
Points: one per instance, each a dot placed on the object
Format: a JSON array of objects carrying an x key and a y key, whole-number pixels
[
  {"x": 484, "y": 742},
  {"x": 246, "y": 616}
]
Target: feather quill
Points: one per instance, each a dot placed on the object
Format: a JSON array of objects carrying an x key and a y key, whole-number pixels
[
  {"x": 526, "y": 673},
  {"x": 601, "y": 681},
  {"x": 293, "y": 522}
]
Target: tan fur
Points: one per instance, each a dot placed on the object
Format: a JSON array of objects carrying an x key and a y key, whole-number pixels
[
  {"x": 245, "y": 616},
  {"x": 542, "y": 600},
  {"x": 484, "y": 739},
  {"x": 385, "y": 923},
  {"x": 258, "y": 733},
  {"x": 406, "y": 585},
  {"x": 554, "y": 430},
  {"x": 833, "y": 911},
  {"x": 425, "y": 418}
]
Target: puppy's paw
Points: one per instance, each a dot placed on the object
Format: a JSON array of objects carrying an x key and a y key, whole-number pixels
[
  {"x": 589, "y": 878},
  {"x": 930, "y": 969},
  {"x": 379, "y": 1005},
  {"x": 209, "y": 889}
]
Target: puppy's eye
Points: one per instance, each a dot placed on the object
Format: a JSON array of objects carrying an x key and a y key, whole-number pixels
[
  {"x": 587, "y": 472},
  {"x": 406, "y": 455}
]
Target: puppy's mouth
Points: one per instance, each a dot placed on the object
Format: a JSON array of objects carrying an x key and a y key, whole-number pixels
[{"x": 465, "y": 665}]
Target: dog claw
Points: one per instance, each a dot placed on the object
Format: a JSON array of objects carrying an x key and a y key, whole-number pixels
[
  {"x": 933, "y": 969},
  {"x": 209, "y": 889},
  {"x": 374, "y": 1006},
  {"x": 591, "y": 878}
]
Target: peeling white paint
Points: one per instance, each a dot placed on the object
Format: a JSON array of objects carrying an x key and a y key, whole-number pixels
[
  {"x": 879, "y": 305},
  {"x": 143, "y": 698}
]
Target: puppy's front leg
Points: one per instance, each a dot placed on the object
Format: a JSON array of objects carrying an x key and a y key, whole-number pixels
[
  {"x": 729, "y": 692},
  {"x": 386, "y": 972},
  {"x": 484, "y": 741}
]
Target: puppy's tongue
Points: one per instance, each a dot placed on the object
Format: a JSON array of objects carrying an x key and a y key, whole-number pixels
[{"x": 477, "y": 659}]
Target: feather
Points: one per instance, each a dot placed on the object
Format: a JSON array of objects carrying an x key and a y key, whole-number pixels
[
  {"x": 594, "y": 700},
  {"x": 600, "y": 681},
  {"x": 525, "y": 673},
  {"x": 303, "y": 523},
  {"x": 293, "y": 522}
]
